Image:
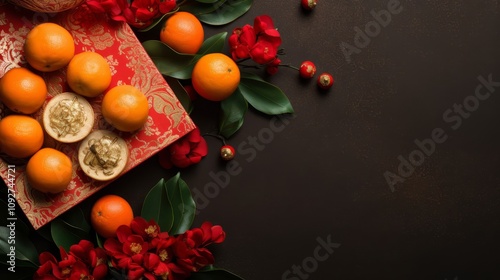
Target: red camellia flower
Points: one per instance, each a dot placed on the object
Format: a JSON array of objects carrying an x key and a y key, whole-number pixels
[
  {"x": 241, "y": 41},
  {"x": 259, "y": 42},
  {"x": 140, "y": 13},
  {"x": 190, "y": 246},
  {"x": 114, "y": 8},
  {"x": 95, "y": 257},
  {"x": 268, "y": 40},
  {"x": 143, "y": 12},
  {"x": 143, "y": 252},
  {"x": 82, "y": 262},
  {"x": 184, "y": 152},
  {"x": 263, "y": 52},
  {"x": 126, "y": 249}
]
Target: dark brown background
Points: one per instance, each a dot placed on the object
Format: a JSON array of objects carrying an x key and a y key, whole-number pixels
[{"x": 323, "y": 174}]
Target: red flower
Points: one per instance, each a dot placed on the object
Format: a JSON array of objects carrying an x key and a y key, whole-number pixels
[
  {"x": 184, "y": 152},
  {"x": 114, "y": 8},
  {"x": 147, "y": 230},
  {"x": 190, "y": 247},
  {"x": 164, "y": 248},
  {"x": 167, "y": 6},
  {"x": 269, "y": 39},
  {"x": 80, "y": 271},
  {"x": 263, "y": 52},
  {"x": 95, "y": 258},
  {"x": 272, "y": 67},
  {"x": 140, "y": 13},
  {"x": 260, "y": 42},
  {"x": 135, "y": 271},
  {"x": 68, "y": 266},
  {"x": 241, "y": 41},
  {"x": 144, "y": 252},
  {"x": 143, "y": 12},
  {"x": 263, "y": 23},
  {"x": 127, "y": 248}
]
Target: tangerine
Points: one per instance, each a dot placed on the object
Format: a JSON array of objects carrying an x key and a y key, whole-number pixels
[
  {"x": 125, "y": 107},
  {"x": 49, "y": 171},
  {"x": 183, "y": 32},
  {"x": 49, "y": 47},
  {"x": 20, "y": 136},
  {"x": 110, "y": 212},
  {"x": 88, "y": 74},
  {"x": 22, "y": 91},
  {"x": 215, "y": 76}
]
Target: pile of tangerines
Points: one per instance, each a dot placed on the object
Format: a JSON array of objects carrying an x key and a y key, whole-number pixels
[
  {"x": 215, "y": 76},
  {"x": 50, "y": 47}
]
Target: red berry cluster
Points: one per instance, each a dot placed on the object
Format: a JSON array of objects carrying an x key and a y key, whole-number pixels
[{"x": 308, "y": 69}]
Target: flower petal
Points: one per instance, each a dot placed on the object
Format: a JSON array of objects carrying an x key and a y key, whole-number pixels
[
  {"x": 218, "y": 234},
  {"x": 262, "y": 23}
]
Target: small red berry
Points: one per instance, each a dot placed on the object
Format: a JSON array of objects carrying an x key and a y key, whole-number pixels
[
  {"x": 325, "y": 81},
  {"x": 308, "y": 4},
  {"x": 307, "y": 69},
  {"x": 227, "y": 152}
]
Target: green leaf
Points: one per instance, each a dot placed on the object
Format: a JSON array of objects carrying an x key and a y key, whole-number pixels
[
  {"x": 183, "y": 204},
  {"x": 24, "y": 249},
  {"x": 196, "y": 8},
  {"x": 178, "y": 65},
  {"x": 263, "y": 96},
  {"x": 4, "y": 259},
  {"x": 208, "y": 268},
  {"x": 213, "y": 44},
  {"x": 22, "y": 270},
  {"x": 180, "y": 93},
  {"x": 98, "y": 240},
  {"x": 69, "y": 228},
  {"x": 214, "y": 274},
  {"x": 227, "y": 12},
  {"x": 75, "y": 218},
  {"x": 157, "y": 207},
  {"x": 66, "y": 235},
  {"x": 234, "y": 109},
  {"x": 169, "y": 62}
]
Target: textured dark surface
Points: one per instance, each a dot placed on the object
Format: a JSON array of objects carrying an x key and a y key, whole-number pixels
[{"x": 322, "y": 176}]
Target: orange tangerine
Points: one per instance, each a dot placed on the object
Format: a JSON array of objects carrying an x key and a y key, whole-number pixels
[
  {"x": 183, "y": 32},
  {"x": 20, "y": 136},
  {"x": 110, "y": 212},
  {"x": 22, "y": 91},
  {"x": 125, "y": 107},
  {"x": 49, "y": 171},
  {"x": 215, "y": 76},
  {"x": 88, "y": 74},
  {"x": 49, "y": 47}
]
